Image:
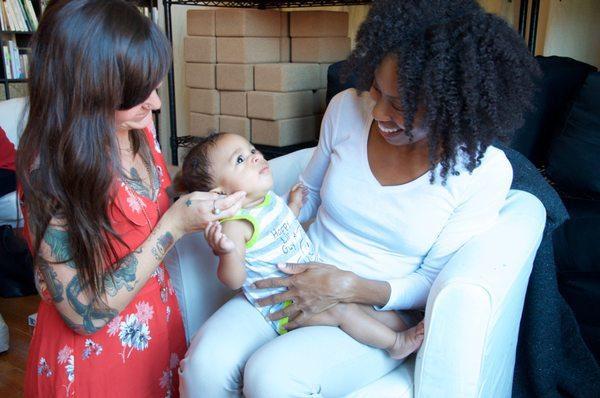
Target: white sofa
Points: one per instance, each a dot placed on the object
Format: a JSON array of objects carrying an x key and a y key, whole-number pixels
[
  {"x": 473, "y": 310},
  {"x": 12, "y": 116}
]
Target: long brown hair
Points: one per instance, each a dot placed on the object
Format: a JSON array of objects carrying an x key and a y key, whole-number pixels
[{"x": 89, "y": 59}]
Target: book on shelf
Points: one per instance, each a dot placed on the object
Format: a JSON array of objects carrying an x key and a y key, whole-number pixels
[
  {"x": 18, "y": 15},
  {"x": 16, "y": 61},
  {"x": 7, "y": 67}
]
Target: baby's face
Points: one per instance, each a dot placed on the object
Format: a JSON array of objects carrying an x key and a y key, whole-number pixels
[{"x": 238, "y": 166}]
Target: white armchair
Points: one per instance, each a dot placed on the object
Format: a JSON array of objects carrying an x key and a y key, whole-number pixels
[
  {"x": 473, "y": 311},
  {"x": 12, "y": 118}
]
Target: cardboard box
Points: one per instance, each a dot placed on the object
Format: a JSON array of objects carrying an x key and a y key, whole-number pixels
[
  {"x": 201, "y": 22},
  {"x": 200, "y": 75},
  {"x": 247, "y": 50},
  {"x": 235, "y": 77},
  {"x": 283, "y": 132},
  {"x": 320, "y": 101},
  {"x": 286, "y": 77},
  {"x": 200, "y": 49},
  {"x": 319, "y": 49},
  {"x": 202, "y": 124},
  {"x": 285, "y": 24},
  {"x": 318, "y": 24},
  {"x": 234, "y": 103},
  {"x": 324, "y": 69},
  {"x": 248, "y": 22},
  {"x": 285, "y": 49},
  {"x": 204, "y": 101},
  {"x": 276, "y": 106},
  {"x": 236, "y": 125}
]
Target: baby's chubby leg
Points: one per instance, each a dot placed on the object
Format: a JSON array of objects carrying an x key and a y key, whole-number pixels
[{"x": 380, "y": 329}]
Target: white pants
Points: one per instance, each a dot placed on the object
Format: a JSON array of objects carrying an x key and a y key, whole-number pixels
[{"x": 237, "y": 351}]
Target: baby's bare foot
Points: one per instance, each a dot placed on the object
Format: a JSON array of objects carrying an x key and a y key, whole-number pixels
[{"x": 407, "y": 342}]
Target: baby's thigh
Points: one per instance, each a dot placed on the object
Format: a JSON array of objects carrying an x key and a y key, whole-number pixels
[
  {"x": 313, "y": 361},
  {"x": 218, "y": 352}
]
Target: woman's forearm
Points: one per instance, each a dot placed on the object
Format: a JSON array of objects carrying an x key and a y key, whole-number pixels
[
  {"x": 364, "y": 291},
  {"x": 82, "y": 313}
]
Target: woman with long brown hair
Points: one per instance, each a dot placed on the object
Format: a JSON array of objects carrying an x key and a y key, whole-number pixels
[{"x": 98, "y": 216}]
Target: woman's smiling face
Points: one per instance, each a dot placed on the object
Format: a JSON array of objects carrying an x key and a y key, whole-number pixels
[
  {"x": 140, "y": 116},
  {"x": 388, "y": 113}
]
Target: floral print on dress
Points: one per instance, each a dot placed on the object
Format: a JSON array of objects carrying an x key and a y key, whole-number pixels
[
  {"x": 136, "y": 205},
  {"x": 113, "y": 326},
  {"x": 65, "y": 357},
  {"x": 43, "y": 368},
  {"x": 134, "y": 332},
  {"x": 145, "y": 312},
  {"x": 166, "y": 380},
  {"x": 91, "y": 348},
  {"x": 166, "y": 287}
]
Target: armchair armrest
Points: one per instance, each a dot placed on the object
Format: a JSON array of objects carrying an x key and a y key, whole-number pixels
[{"x": 474, "y": 307}]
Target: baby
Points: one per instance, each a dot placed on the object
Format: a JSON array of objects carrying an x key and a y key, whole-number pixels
[{"x": 266, "y": 232}]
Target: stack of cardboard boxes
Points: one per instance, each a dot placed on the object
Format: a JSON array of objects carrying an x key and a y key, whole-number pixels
[{"x": 261, "y": 73}]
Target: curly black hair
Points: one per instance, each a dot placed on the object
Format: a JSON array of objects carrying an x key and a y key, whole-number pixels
[{"x": 469, "y": 69}]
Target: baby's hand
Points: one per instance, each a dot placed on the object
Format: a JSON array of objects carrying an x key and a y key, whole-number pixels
[
  {"x": 298, "y": 196},
  {"x": 217, "y": 240}
]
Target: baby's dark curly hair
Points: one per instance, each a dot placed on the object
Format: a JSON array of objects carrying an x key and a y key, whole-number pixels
[
  {"x": 469, "y": 70},
  {"x": 196, "y": 172}
]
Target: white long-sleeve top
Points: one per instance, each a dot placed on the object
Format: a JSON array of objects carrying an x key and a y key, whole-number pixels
[{"x": 402, "y": 234}]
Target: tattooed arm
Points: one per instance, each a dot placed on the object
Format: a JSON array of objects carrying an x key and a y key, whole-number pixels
[
  {"x": 57, "y": 276},
  {"x": 60, "y": 278}
]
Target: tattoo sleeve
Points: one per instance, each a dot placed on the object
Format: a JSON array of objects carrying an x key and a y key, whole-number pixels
[
  {"x": 53, "y": 284},
  {"x": 93, "y": 316},
  {"x": 163, "y": 245}
]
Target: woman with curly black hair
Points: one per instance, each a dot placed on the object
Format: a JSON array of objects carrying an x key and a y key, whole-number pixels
[{"x": 402, "y": 177}]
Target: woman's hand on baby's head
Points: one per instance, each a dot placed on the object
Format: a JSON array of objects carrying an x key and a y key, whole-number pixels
[
  {"x": 194, "y": 211},
  {"x": 217, "y": 240}
]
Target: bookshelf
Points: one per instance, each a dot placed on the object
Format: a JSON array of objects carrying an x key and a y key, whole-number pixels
[{"x": 18, "y": 21}]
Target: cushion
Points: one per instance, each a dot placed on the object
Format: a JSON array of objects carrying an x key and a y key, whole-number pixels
[
  {"x": 577, "y": 256},
  {"x": 574, "y": 157},
  {"x": 562, "y": 77}
]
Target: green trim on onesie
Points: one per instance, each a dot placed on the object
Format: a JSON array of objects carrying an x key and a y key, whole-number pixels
[
  {"x": 266, "y": 201},
  {"x": 251, "y": 219},
  {"x": 283, "y": 321}
]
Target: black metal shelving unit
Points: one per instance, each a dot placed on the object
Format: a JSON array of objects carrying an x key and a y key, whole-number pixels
[{"x": 175, "y": 141}]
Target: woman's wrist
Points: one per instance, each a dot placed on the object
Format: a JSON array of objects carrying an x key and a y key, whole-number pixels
[
  {"x": 167, "y": 224},
  {"x": 365, "y": 291}
]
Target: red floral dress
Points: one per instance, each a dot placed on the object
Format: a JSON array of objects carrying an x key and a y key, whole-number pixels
[{"x": 137, "y": 354}]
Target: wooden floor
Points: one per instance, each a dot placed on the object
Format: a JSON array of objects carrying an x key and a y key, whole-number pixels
[{"x": 12, "y": 363}]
